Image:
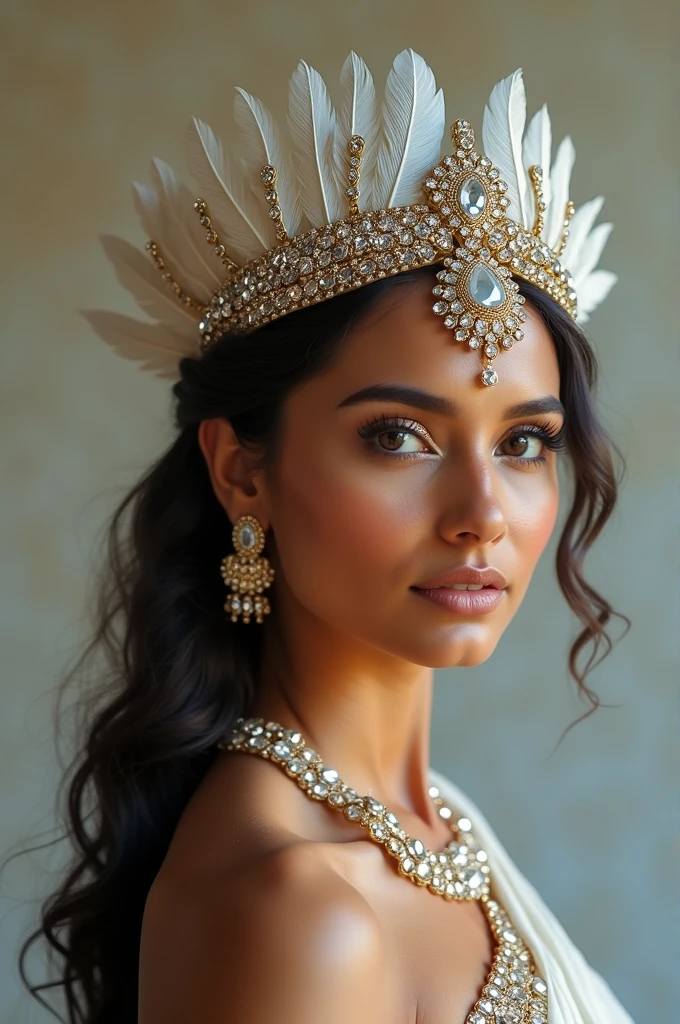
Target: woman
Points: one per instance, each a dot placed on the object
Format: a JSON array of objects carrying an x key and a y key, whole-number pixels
[{"x": 339, "y": 412}]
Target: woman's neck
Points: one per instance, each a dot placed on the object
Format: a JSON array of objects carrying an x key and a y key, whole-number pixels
[{"x": 366, "y": 713}]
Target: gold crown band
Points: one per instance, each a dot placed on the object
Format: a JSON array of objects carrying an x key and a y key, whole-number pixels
[
  {"x": 324, "y": 262},
  {"x": 463, "y": 223}
]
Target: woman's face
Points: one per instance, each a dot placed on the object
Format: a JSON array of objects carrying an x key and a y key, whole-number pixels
[{"x": 373, "y": 497}]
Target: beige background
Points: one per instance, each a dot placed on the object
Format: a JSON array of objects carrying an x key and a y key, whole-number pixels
[{"x": 90, "y": 91}]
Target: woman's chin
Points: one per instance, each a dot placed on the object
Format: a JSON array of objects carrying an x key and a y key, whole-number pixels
[{"x": 474, "y": 647}]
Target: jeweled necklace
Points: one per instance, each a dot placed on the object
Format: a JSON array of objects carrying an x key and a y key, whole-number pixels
[{"x": 513, "y": 993}]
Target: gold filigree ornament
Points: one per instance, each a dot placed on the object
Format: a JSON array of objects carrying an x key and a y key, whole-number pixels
[
  {"x": 246, "y": 572},
  {"x": 353, "y": 196}
]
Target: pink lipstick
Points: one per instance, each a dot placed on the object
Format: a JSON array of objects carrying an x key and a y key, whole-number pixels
[{"x": 466, "y": 590}]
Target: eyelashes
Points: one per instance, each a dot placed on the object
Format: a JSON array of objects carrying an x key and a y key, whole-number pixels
[
  {"x": 554, "y": 438},
  {"x": 551, "y": 437},
  {"x": 382, "y": 424}
]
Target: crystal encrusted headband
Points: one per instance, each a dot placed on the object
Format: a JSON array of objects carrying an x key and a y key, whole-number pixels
[{"x": 352, "y": 197}]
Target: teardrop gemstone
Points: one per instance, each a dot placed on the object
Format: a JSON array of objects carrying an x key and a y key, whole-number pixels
[
  {"x": 473, "y": 197},
  {"x": 484, "y": 288}
]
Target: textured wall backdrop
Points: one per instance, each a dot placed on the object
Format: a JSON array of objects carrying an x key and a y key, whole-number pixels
[{"x": 90, "y": 92}]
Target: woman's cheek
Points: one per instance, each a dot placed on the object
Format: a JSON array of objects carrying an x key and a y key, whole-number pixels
[
  {"x": 367, "y": 517},
  {"x": 350, "y": 523},
  {"x": 532, "y": 528}
]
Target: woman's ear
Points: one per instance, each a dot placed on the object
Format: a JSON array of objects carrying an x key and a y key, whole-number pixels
[{"x": 236, "y": 479}]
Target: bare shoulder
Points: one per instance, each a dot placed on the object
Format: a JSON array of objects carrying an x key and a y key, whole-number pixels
[{"x": 288, "y": 939}]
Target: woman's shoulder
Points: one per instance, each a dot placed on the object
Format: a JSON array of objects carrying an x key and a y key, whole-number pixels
[
  {"x": 260, "y": 911},
  {"x": 293, "y": 890},
  {"x": 285, "y": 937}
]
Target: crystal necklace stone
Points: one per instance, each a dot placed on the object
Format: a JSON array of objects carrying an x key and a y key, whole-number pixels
[
  {"x": 484, "y": 288},
  {"x": 473, "y": 197},
  {"x": 464, "y": 862}
]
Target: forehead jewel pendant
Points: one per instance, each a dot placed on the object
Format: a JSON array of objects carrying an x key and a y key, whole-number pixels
[{"x": 475, "y": 292}]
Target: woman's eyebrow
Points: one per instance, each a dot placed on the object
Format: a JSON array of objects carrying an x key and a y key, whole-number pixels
[
  {"x": 405, "y": 395},
  {"x": 549, "y": 403},
  {"x": 425, "y": 400}
]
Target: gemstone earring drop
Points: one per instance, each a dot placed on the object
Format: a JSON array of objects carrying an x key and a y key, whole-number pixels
[{"x": 246, "y": 572}]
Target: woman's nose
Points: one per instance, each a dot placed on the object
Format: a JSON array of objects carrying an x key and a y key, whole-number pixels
[{"x": 473, "y": 510}]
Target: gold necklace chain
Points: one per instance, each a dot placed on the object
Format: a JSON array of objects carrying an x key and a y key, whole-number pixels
[{"x": 513, "y": 993}]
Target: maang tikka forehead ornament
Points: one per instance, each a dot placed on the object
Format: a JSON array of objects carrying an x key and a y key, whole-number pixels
[{"x": 349, "y": 197}]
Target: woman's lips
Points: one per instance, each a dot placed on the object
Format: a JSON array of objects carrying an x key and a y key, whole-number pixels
[
  {"x": 466, "y": 575},
  {"x": 464, "y": 602}
]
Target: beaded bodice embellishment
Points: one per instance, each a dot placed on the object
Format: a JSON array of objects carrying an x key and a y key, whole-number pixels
[{"x": 513, "y": 992}]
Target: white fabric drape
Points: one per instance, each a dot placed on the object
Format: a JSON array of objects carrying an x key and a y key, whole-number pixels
[{"x": 577, "y": 994}]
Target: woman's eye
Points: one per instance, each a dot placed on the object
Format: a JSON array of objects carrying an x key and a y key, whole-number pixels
[
  {"x": 522, "y": 446},
  {"x": 393, "y": 441},
  {"x": 406, "y": 438},
  {"x": 395, "y": 437}
]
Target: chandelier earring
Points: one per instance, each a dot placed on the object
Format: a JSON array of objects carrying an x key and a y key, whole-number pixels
[{"x": 246, "y": 572}]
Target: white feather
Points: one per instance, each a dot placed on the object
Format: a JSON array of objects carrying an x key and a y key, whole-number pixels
[
  {"x": 263, "y": 143},
  {"x": 242, "y": 222},
  {"x": 196, "y": 250},
  {"x": 536, "y": 149},
  {"x": 502, "y": 131},
  {"x": 592, "y": 292},
  {"x": 560, "y": 176},
  {"x": 154, "y": 347},
  {"x": 312, "y": 123},
  {"x": 166, "y": 212},
  {"x": 579, "y": 228},
  {"x": 403, "y": 142},
  {"x": 591, "y": 252},
  {"x": 412, "y": 129},
  {"x": 357, "y": 115},
  {"x": 140, "y": 276},
  {"x": 158, "y": 226}
]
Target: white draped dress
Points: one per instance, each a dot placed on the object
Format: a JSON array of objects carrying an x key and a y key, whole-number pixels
[{"x": 577, "y": 994}]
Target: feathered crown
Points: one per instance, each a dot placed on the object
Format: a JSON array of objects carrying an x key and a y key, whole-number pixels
[{"x": 351, "y": 196}]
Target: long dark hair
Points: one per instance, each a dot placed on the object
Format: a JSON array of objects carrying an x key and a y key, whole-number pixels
[{"x": 170, "y": 673}]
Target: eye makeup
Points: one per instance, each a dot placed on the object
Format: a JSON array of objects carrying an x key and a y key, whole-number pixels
[
  {"x": 551, "y": 437},
  {"x": 382, "y": 424}
]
